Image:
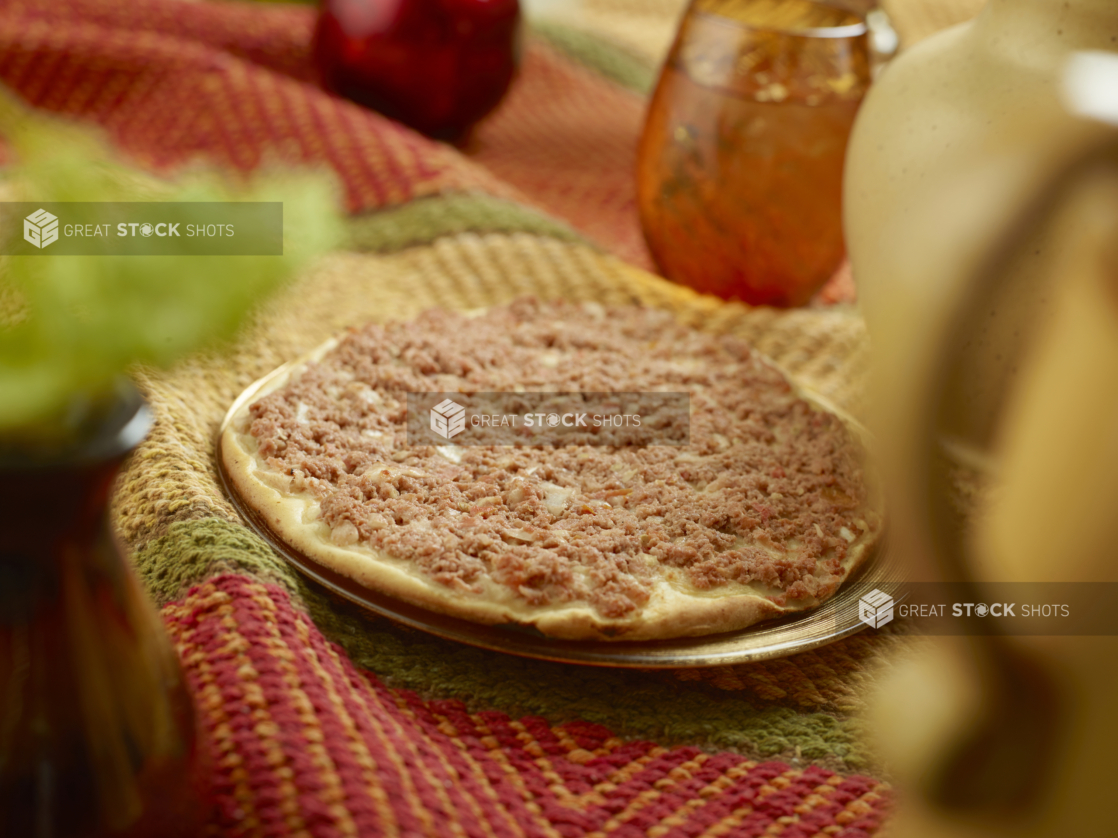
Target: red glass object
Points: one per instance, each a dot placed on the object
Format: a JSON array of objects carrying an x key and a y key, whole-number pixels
[
  {"x": 436, "y": 65},
  {"x": 98, "y": 737}
]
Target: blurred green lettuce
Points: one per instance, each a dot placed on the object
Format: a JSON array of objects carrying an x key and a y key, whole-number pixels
[{"x": 71, "y": 325}]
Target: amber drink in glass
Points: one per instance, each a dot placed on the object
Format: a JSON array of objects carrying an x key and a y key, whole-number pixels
[{"x": 740, "y": 166}]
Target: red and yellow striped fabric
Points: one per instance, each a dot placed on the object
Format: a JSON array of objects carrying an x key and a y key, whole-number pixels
[{"x": 306, "y": 744}]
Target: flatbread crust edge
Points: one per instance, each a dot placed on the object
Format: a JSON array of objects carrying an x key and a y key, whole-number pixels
[{"x": 670, "y": 612}]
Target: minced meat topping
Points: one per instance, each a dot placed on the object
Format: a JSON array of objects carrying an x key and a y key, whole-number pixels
[{"x": 769, "y": 491}]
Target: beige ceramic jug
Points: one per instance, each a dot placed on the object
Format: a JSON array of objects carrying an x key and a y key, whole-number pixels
[
  {"x": 949, "y": 143},
  {"x": 981, "y": 219},
  {"x": 1015, "y": 735}
]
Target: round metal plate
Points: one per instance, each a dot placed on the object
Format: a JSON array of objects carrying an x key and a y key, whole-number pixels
[{"x": 834, "y": 619}]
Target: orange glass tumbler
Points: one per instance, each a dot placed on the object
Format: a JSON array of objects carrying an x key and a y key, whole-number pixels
[{"x": 739, "y": 179}]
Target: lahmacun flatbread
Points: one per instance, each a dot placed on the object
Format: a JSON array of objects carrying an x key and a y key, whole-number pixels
[{"x": 764, "y": 512}]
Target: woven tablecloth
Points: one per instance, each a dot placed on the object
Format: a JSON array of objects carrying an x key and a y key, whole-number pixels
[{"x": 322, "y": 719}]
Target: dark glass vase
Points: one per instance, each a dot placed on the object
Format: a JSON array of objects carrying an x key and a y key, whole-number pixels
[{"x": 97, "y": 729}]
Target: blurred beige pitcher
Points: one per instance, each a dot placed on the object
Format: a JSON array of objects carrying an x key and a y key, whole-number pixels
[
  {"x": 957, "y": 136},
  {"x": 740, "y": 166},
  {"x": 981, "y": 211}
]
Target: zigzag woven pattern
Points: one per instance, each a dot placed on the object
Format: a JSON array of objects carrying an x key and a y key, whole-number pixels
[
  {"x": 569, "y": 140},
  {"x": 306, "y": 744}
]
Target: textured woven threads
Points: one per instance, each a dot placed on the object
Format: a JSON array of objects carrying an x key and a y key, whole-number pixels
[
  {"x": 642, "y": 28},
  {"x": 568, "y": 139},
  {"x": 606, "y": 59},
  {"x": 425, "y": 219},
  {"x": 834, "y": 677},
  {"x": 794, "y": 708},
  {"x": 305, "y": 743},
  {"x": 190, "y": 552},
  {"x": 276, "y": 38}
]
